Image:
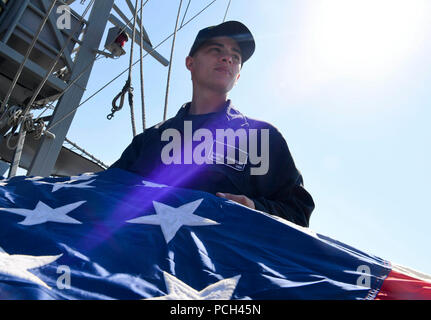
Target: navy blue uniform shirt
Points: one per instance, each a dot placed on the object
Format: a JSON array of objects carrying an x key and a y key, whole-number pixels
[{"x": 279, "y": 192}]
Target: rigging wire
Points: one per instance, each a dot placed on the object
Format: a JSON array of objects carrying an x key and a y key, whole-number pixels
[
  {"x": 51, "y": 104},
  {"x": 105, "y": 166},
  {"x": 57, "y": 58},
  {"x": 98, "y": 56},
  {"x": 225, "y": 14},
  {"x": 22, "y": 120},
  {"x": 170, "y": 63},
  {"x": 25, "y": 120},
  {"x": 185, "y": 13},
  {"x": 55, "y": 61},
  {"x": 26, "y": 117},
  {"x": 124, "y": 71}
]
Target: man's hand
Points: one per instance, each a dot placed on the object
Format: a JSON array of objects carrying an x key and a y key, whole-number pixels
[{"x": 242, "y": 199}]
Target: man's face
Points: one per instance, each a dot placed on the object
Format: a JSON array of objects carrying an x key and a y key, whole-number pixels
[{"x": 216, "y": 65}]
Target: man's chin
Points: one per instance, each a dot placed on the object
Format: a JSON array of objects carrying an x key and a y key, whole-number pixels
[{"x": 222, "y": 87}]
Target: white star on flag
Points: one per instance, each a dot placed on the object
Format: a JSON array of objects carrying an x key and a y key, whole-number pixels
[
  {"x": 172, "y": 219},
  {"x": 43, "y": 213},
  {"x": 17, "y": 265},
  {"x": 9, "y": 194},
  {"x": 153, "y": 185},
  {"x": 84, "y": 176},
  {"x": 178, "y": 290},
  {"x": 67, "y": 184}
]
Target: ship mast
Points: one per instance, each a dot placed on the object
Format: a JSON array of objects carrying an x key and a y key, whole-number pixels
[{"x": 38, "y": 67}]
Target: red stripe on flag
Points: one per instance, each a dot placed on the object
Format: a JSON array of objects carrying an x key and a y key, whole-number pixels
[{"x": 398, "y": 286}]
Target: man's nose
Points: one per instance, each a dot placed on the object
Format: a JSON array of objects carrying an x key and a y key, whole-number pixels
[{"x": 226, "y": 57}]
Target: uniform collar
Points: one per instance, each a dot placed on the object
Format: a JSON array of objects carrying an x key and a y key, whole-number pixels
[{"x": 232, "y": 115}]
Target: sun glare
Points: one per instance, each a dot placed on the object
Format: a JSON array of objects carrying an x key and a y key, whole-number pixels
[{"x": 364, "y": 38}]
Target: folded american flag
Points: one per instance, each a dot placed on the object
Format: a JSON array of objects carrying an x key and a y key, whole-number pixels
[{"x": 113, "y": 235}]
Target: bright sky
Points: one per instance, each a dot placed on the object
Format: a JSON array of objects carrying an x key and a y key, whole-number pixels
[{"x": 346, "y": 82}]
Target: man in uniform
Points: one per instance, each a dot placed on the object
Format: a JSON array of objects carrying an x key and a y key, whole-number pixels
[{"x": 254, "y": 167}]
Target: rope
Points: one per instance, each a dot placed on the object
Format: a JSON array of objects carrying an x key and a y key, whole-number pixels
[
  {"x": 18, "y": 151},
  {"x": 39, "y": 126},
  {"x": 225, "y": 14},
  {"x": 14, "y": 113},
  {"x": 127, "y": 86},
  {"x": 141, "y": 69},
  {"x": 15, "y": 120},
  {"x": 120, "y": 96},
  {"x": 130, "y": 91},
  {"x": 15, "y": 117},
  {"x": 29, "y": 49},
  {"x": 27, "y": 125},
  {"x": 124, "y": 71},
  {"x": 170, "y": 63}
]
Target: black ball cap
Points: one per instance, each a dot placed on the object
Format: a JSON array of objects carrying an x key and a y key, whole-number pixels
[{"x": 232, "y": 29}]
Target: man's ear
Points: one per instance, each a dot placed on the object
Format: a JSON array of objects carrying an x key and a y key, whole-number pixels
[
  {"x": 189, "y": 63},
  {"x": 237, "y": 78}
]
